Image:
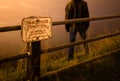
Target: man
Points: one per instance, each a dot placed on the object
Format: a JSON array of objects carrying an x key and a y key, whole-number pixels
[{"x": 77, "y": 9}]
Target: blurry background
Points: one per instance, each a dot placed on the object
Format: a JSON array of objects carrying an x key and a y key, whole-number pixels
[{"x": 13, "y": 11}]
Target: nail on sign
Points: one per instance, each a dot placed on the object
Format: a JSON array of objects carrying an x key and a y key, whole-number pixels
[{"x": 36, "y": 28}]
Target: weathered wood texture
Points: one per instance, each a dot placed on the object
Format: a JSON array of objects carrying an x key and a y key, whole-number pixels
[
  {"x": 59, "y": 47},
  {"x": 18, "y": 27}
]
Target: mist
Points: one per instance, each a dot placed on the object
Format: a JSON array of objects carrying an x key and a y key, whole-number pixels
[{"x": 13, "y": 11}]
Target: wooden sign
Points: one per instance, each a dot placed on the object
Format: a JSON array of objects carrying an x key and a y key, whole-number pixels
[{"x": 36, "y": 28}]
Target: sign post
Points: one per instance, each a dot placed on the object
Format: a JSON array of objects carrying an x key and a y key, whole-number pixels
[{"x": 35, "y": 29}]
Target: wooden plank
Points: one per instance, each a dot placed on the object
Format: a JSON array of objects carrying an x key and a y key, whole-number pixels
[
  {"x": 55, "y": 75},
  {"x": 35, "y": 59},
  {"x": 79, "y": 42},
  {"x": 10, "y": 28},
  {"x": 13, "y": 58},
  {"x": 85, "y": 19},
  {"x": 59, "y": 47},
  {"x": 18, "y": 27}
]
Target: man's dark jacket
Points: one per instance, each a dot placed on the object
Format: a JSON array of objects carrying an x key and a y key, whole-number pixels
[{"x": 77, "y": 10}]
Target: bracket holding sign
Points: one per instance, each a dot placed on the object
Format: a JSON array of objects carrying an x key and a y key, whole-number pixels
[{"x": 36, "y": 28}]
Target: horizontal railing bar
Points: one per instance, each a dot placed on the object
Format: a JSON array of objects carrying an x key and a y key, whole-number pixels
[
  {"x": 112, "y": 52},
  {"x": 10, "y": 28},
  {"x": 18, "y": 27},
  {"x": 13, "y": 58},
  {"x": 25, "y": 55},
  {"x": 85, "y": 19},
  {"x": 79, "y": 42}
]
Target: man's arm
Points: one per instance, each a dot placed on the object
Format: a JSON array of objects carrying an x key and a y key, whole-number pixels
[
  {"x": 67, "y": 16},
  {"x": 86, "y": 13}
]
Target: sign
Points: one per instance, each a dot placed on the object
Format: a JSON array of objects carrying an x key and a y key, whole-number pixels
[{"x": 36, "y": 28}]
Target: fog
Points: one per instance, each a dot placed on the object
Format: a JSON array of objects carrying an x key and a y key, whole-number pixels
[{"x": 13, "y": 11}]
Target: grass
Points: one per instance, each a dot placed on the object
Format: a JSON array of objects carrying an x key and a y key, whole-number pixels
[
  {"x": 96, "y": 48},
  {"x": 12, "y": 71},
  {"x": 16, "y": 71}
]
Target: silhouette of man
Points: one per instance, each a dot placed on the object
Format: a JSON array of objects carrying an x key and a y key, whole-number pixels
[{"x": 77, "y": 9}]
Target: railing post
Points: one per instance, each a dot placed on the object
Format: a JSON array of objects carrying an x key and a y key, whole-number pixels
[
  {"x": 33, "y": 70},
  {"x": 36, "y": 60},
  {"x": 29, "y": 62}
]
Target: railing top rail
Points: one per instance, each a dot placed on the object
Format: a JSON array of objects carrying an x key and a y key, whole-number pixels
[
  {"x": 25, "y": 55},
  {"x": 80, "y": 42},
  {"x": 85, "y": 19},
  {"x": 13, "y": 58},
  {"x": 18, "y": 27}
]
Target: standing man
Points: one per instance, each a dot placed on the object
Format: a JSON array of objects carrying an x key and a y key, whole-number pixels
[{"x": 77, "y": 9}]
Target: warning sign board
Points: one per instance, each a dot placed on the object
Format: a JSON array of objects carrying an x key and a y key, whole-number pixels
[{"x": 36, "y": 28}]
